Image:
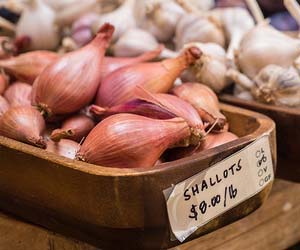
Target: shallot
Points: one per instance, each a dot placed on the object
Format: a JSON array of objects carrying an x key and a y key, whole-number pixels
[
  {"x": 204, "y": 100},
  {"x": 27, "y": 66},
  {"x": 157, "y": 77},
  {"x": 131, "y": 141},
  {"x": 24, "y": 124},
  {"x": 70, "y": 83},
  {"x": 74, "y": 128}
]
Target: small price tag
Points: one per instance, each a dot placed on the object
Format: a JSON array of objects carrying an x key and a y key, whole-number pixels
[{"x": 196, "y": 201}]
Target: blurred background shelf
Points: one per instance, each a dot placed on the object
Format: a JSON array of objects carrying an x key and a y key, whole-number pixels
[{"x": 276, "y": 225}]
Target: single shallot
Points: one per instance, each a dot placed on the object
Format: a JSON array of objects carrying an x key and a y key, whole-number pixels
[
  {"x": 204, "y": 100},
  {"x": 24, "y": 124},
  {"x": 156, "y": 77},
  {"x": 74, "y": 128},
  {"x": 26, "y": 67},
  {"x": 131, "y": 141},
  {"x": 70, "y": 83}
]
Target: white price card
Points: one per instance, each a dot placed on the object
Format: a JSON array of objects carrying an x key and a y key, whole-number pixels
[{"x": 204, "y": 196}]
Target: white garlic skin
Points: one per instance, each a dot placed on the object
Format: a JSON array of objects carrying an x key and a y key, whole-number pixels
[
  {"x": 210, "y": 69},
  {"x": 262, "y": 46},
  {"x": 192, "y": 28},
  {"x": 162, "y": 20},
  {"x": 37, "y": 21},
  {"x": 236, "y": 22},
  {"x": 123, "y": 19},
  {"x": 136, "y": 41}
]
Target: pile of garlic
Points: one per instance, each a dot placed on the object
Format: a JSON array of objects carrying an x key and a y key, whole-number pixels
[{"x": 235, "y": 48}]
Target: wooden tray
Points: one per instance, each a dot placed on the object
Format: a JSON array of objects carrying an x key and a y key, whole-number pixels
[
  {"x": 288, "y": 134},
  {"x": 116, "y": 208}
]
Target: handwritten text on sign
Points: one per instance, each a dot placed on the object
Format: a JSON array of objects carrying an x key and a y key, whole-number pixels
[{"x": 199, "y": 199}]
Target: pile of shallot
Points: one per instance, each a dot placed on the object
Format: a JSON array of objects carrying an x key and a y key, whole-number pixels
[{"x": 109, "y": 111}]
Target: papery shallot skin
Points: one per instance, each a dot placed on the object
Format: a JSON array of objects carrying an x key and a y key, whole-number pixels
[
  {"x": 158, "y": 77},
  {"x": 19, "y": 94},
  {"x": 74, "y": 128},
  {"x": 27, "y": 66},
  {"x": 131, "y": 141},
  {"x": 70, "y": 83},
  {"x": 24, "y": 124}
]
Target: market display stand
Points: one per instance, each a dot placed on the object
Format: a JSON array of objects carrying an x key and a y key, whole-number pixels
[{"x": 276, "y": 225}]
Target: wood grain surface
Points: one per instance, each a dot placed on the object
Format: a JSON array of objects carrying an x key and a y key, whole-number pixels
[{"x": 276, "y": 226}]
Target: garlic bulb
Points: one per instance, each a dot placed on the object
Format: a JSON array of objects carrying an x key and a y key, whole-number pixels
[
  {"x": 192, "y": 28},
  {"x": 160, "y": 18},
  {"x": 37, "y": 23},
  {"x": 135, "y": 42},
  {"x": 273, "y": 85},
  {"x": 71, "y": 10},
  {"x": 236, "y": 23},
  {"x": 210, "y": 69},
  {"x": 203, "y": 4},
  {"x": 123, "y": 19},
  {"x": 277, "y": 85},
  {"x": 264, "y": 45}
]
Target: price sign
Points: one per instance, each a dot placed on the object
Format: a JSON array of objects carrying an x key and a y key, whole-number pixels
[{"x": 201, "y": 198}]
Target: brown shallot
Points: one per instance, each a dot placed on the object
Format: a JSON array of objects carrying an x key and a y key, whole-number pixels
[
  {"x": 70, "y": 83},
  {"x": 26, "y": 67},
  {"x": 24, "y": 124},
  {"x": 204, "y": 100},
  {"x": 74, "y": 128},
  {"x": 64, "y": 147},
  {"x": 19, "y": 94},
  {"x": 131, "y": 141},
  {"x": 156, "y": 77}
]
